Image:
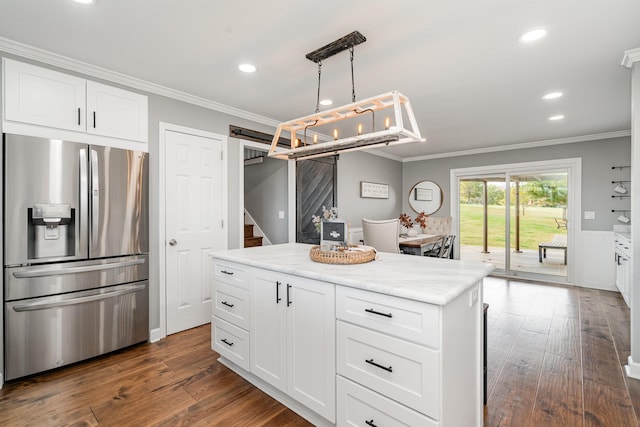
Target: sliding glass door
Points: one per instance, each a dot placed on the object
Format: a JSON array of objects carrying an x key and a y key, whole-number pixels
[
  {"x": 538, "y": 223},
  {"x": 516, "y": 219}
]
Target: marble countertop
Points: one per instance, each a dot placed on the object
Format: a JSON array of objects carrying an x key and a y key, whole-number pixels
[{"x": 431, "y": 280}]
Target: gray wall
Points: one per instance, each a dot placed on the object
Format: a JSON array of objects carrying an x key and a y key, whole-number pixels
[
  {"x": 265, "y": 193},
  {"x": 597, "y": 158},
  {"x": 359, "y": 166}
]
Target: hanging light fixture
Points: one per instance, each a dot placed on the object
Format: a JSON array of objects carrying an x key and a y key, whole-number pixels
[{"x": 349, "y": 127}]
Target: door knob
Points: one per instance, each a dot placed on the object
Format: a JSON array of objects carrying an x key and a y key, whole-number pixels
[{"x": 173, "y": 242}]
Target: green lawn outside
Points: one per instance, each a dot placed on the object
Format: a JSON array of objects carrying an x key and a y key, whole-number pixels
[{"x": 537, "y": 225}]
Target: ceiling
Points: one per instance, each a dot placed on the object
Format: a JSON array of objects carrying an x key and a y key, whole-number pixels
[{"x": 471, "y": 83}]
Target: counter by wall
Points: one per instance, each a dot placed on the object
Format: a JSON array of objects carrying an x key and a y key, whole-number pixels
[{"x": 431, "y": 280}]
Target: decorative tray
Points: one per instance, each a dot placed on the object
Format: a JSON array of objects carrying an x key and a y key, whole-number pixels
[{"x": 361, "y": 255}]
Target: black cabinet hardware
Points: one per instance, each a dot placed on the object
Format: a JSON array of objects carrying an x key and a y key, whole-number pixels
[
  {"x": 224, "y": 340},
  {"x": 289, "y": 302},
  {"x": 78, "y": 116},
  {"x": 94, "y": 119},
  {"x": 227, "y": 304},
  {"x": 370, "y": 423},
  {"x": 377, "y": 365},
  {"x": 230, "y": 273},
  {"x": 278, "y": 299},
  {"x": 372, "y": 311}
]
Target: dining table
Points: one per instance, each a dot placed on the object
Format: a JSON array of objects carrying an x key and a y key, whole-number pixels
[{"x": 419, "y": 244}]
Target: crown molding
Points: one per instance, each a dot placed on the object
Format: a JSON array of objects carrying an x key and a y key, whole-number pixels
[
  {"x": 56, "y": 60},
  {"x": 533, "y": 144},
  {"x": 631, "y": 56}
]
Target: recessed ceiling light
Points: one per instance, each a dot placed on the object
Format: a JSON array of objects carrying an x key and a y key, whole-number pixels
[
  {"x": 552, "y": 95},
  {"x": 326, "y": 102},
  {"x": 247, "y": 68},
  {"x": 533, "y": 35},
  {"x": 86, "y": 1},
  {"x": 558, "y": 117}
]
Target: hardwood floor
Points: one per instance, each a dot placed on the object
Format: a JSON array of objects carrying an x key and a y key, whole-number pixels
[
  {"x": 174, "y": 382},
  {"x": 555, "y": 358}
]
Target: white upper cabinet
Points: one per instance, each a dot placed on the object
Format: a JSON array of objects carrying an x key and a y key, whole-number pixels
[
  {"x": 117, "y": 113},
  {"x": 43, "y": 97}
]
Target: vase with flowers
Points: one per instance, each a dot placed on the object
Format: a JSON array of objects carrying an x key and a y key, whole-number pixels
[
  {"x": 421, "y": 220},
  {"x": 331, "y": 213},
  {"x": 407, "y": 222}
]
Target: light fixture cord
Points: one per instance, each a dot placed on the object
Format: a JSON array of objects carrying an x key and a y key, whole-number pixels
[
  {"x": 353, "y": 84},
  {"x": 318, "y": 97}
]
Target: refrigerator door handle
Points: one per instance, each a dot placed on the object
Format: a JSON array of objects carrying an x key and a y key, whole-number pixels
[
  {"x": 43, "y": 305},
  {"x": 84, "y": 202},
  {"x": 95, "y": 197},
  {"x": 44, "y": 272}
]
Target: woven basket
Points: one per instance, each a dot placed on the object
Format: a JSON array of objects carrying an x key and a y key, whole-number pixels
[{"x": 341, "y": 257}]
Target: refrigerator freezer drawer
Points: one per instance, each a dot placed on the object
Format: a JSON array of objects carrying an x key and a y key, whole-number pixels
[
  {"x": 46, "y": 333},
  {"x": 51, "y": 279}
]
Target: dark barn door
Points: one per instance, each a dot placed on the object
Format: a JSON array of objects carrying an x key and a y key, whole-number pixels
[{"x": 316, "y": 186}]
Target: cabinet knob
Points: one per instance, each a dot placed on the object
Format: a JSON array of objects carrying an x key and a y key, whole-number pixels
[{"x": 173, "y": 242}]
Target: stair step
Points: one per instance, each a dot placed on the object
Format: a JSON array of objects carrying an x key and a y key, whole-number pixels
[
  {"x": 248, "y": 230},
  {"x": 252, "y": 241}
]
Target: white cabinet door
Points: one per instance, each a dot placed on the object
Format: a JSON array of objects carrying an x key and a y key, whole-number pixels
[
  {"x": 43, "y": 97},
  {"x": 293, "y": 338},
  {"x": 116, "y": 113},
  {"x": 268, "y": 328},
  {"x": 311, "y": 344}
]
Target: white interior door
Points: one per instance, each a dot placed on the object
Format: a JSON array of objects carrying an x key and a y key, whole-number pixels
[{"x": 194, "y": 225}]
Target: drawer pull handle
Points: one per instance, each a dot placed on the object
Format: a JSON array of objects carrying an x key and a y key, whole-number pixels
[
  {"x": 372, "y": 311},
  {"x": 278, "y": 299},
  {"x": 370, "y": 423},
  {"x": 227, "y": 304},
  {"x": 377, "y": 365},
  {"x": 224, "y": 340},
  {"x": 289, "y": 302},
  {"x": 230, "y": 273}
]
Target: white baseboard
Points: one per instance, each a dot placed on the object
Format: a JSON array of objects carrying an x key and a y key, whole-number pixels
[
  {"x": 632, "y": 368},
  {"x": 155, "y": 335}
]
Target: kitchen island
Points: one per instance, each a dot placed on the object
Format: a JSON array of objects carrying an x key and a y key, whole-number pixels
[{"x": 395, "y": 341}]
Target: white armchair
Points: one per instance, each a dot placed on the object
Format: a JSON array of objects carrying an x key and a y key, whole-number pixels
[{"x": 383, "y": 235}]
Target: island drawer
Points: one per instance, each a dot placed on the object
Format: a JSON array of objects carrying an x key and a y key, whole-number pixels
[
  {"x": 231, "y": 273},
  {"x": 412, "y": 320},
  {"x": 231, "y": 304},
  {"x": 401, "y": 370},
  {"x": 230, "y": 341},
  {"x": 357, "y": 405}
]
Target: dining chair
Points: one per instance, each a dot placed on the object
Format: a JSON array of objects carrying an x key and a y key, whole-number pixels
[
  {"x": 447, "y": 246},
  {"x": 434, "y": 250},
  {"x": 442, "y": 248},
  {"x": 383, "y": 235}
]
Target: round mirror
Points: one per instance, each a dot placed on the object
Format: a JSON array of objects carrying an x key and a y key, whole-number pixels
[{"x": 425, "y": 196}]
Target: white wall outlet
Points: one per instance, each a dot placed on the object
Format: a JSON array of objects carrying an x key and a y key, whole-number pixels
[
  {"x": 280, "y": 214},
  {"x": 589, "y": 215},
  {"x": 473, "y": 297}
]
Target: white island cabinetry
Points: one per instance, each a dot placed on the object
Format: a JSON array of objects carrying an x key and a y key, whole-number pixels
[
  {"x": 393, "y": 342},
  {"x": 293, "y": 338}
]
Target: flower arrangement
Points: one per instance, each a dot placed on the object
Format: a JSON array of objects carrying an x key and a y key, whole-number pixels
[
  {"x": 406, "y": 221},
  {"x": 331, "y": 213},
  {"x": 421, "y": 219}
]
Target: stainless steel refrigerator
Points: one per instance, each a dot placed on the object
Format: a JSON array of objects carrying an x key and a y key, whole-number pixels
[{"x": 75, "y": 252}]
